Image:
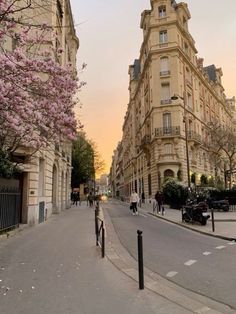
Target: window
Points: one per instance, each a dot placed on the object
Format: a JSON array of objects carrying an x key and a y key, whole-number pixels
[
  {"x": 164, "y": 66},
  {"x": 41, "y": 177},
  {"x": 168, "y": 149},
  {"x": 163, "y": 38},
  {"x": 162, "y": 11},
  {"x": 190, "y": 101},
  {"x": 165, "y": 93},
  {"x": 185, "y": 23},
  {"x": 167, "y": 123},
  {"x": 149, "y": 184}
]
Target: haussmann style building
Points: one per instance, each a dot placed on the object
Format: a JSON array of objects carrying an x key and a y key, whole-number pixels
[
  {"x": 173, "y": 97},
  {"x": 45, "y": 183}
]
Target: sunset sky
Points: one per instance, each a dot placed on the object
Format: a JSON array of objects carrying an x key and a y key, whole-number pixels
[{"x": 110, "y": 40}]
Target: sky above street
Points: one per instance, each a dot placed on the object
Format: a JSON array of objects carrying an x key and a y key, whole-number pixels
[{"x": 110, "y": 39}]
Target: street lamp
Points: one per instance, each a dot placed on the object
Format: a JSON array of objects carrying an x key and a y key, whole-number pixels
[{"x": 175, "y": 97}]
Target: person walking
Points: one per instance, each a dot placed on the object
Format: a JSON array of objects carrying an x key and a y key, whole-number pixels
[
  {"x": 134, "y": 199},
  {"x": 76, "y": 198},
  {"x": 90, "y": 199},
  {"x": 159, "y": 200}
]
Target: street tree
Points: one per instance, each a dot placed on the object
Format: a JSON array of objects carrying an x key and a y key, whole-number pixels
[
  {"x": 82, "y": 161},
  {"x": 223, "y": 148},
  {"x": 37, "y": 94}
]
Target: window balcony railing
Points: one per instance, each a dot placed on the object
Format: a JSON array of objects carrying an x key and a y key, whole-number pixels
[
  {"x": 165, "y": 101},
  {"x": 165, "y": 73},
  {"x": 167, "y": 131},
  {"x": 146, "y": 140},
  {"x": 192, "y": 135}
]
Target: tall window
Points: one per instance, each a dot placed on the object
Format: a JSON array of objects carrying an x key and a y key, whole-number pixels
[
  {"x": 162, "y": 11},
  {"x": 163, "y": 38},
  {"x": 190, "y": 101},
  {"x": 164, "y": 66},
  {"x": 165, "y": 93},
  {"x": 149, "y": 184},
  {"x": 168, "y": 149},
  {"x": 167, "y": 123},
  {"x": 41, "y": 177}
]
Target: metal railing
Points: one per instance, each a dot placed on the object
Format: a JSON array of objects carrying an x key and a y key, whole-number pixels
[
  {"x": 100, "y": 232},
  {"x": 10, "y": 204},
  {"x": 167, "y": 131}
]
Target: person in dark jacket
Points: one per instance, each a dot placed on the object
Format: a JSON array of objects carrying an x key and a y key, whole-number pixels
[{"x": 160, "y": 202}]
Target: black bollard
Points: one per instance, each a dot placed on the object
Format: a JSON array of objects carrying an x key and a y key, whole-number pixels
[
  {"x": 140, "y": 260},
  {"x": 212, "y": 220},
  {"x": 96, "y": 226},
  {"x": 103, "y": 241}
]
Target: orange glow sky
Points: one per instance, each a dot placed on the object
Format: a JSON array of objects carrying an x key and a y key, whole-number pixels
[{"x": 110, "y": 40}]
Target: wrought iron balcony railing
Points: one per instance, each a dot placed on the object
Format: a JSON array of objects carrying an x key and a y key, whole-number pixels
[{"x": 167, "y": 131}]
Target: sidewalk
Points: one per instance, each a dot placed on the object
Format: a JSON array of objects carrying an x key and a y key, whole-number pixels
[{"x": 225, "y": 222}]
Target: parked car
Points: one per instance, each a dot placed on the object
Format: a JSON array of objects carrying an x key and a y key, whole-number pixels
[{"x": 221, "y": 205}]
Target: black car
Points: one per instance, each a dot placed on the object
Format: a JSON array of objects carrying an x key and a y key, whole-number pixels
[{"x": 221, "y": 205}]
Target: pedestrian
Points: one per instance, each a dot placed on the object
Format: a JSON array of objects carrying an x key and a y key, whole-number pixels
[
  {"x": 76, "y": 198},
  {"x": 90, "y": 199},
  {"x": 159, "y": 200},
  {"x": 73, "y": 197},
  {"x": 134, "y": 199},
  {"x": 143, "y": 197}
]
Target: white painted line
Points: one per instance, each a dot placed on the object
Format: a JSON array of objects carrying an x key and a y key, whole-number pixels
[
  {"x": 220, "y": 247},
  {"x": 203, "y": 310},
  {"x": 171, "y": 274},
  {"x": 190, "y": 262},
  {"x": 206, "y": 253},
  {"x": 143, "y": 215},
  {"x": 231, "y": 243}
]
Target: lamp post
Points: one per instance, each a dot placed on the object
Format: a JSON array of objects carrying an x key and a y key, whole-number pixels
[{"x": 175, "y": 97}]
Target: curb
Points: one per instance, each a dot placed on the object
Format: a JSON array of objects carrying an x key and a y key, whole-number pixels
[{"x": 193, "y": 229}]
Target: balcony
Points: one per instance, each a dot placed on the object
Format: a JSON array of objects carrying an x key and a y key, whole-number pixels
[
  {"x": 146, "y": 140},
  {"x": 164, "y": 73},
  {"x": 193, "y": 136},
  {"x": 167, "y": 131},
  {"x": 165, "y": 101}
]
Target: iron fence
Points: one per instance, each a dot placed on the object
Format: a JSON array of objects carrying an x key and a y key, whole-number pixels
[{"x": 10, "y": 205}]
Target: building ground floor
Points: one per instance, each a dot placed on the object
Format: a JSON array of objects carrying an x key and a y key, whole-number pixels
[{"x": 147, "y": 172}]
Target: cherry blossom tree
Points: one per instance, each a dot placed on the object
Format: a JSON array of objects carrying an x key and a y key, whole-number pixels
[{"x": 37, "y": 94}]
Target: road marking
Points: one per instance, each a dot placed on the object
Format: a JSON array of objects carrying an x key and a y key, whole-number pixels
[
  {"x": 171, "y": 274},
  {"x": 220, "y": 247},
  {"x": 206, "y": 253},
  {"x": 232, "y": 243},
  {"x": 143, "y": 215},
  {"x": 203, "y": 310},
  {"x": 190, "y": 262}
]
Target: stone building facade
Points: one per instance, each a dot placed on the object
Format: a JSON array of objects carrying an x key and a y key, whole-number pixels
[
  {"x": 154, "y": 130},
  {"x": 46, "y": 179}
]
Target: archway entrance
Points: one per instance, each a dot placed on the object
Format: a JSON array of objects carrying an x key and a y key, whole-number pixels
[{"x": 169, "y": 173}]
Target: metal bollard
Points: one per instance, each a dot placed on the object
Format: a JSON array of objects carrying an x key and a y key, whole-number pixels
[
  {"x": 103, "y": 242},
  {"x": 182, "y": 214},
  {"x": 140, "y": 260},
  {"x": 213, "y": 220},
  {"x": 96, "y": 226}
]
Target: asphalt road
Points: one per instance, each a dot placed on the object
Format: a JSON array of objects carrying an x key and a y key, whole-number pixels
[{"x": 199, "y": 263}]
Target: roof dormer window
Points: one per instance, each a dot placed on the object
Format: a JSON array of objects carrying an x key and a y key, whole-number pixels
[{"x": 162, "y": 11}]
